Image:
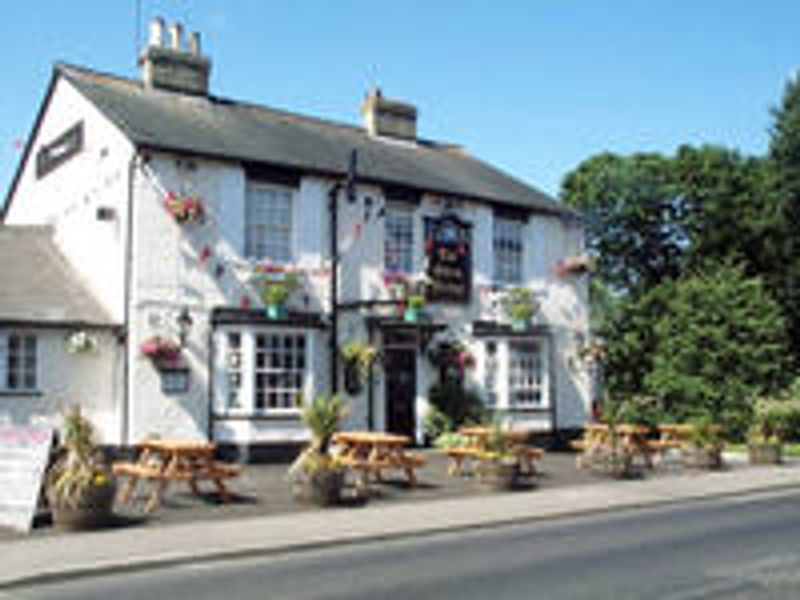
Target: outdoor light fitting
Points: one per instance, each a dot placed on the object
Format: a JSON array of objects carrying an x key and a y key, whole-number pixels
[{"x": 185, "y": 323}]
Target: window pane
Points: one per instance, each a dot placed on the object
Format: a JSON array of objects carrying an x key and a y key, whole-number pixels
[
  {"x": 525, "y": 375},
  {"x": 399, "y": 240},
  {"x": 279, "y": 370},
  {"x": 508, "y": 250}
]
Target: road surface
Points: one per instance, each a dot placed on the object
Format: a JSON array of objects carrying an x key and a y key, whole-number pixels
[{"x": 737, "y": 548}]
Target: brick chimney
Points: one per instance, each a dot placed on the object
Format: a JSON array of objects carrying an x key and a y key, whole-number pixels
[
  {"x": 389, "y": 118},
  {"x": 176, "y": 66}
]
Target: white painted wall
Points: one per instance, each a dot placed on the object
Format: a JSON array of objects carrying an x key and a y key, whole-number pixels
[
  {"x": 68, "y": 197},
  {"x": 92, "y": 380}
]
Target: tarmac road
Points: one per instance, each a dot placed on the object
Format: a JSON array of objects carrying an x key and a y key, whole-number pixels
[{"x": 734, "y": 548}]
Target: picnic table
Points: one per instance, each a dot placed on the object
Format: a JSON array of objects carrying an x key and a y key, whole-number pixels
[
  {"x": 165, "y": 461},
  {"x": 372, "y": 452},
  {"x": 599, "y": 438},
  {"x": 477, "y": 438}
]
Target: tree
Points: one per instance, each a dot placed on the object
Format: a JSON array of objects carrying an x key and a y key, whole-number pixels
[
  {"x": 634, "y": 218},
  {"x": 720, "y": 342}
]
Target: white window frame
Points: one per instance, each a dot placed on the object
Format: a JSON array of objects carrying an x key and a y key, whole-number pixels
[
  {"x": 403, "y": 256},
  {"x": 508, "y": 264},
  {"x": 5, "y": 356},
  {"x": 502, "y": 357},
  {"x": 541, "y": 386},
  {"x": 247, "y": 368},
  {"x": 257, "y": 244}
]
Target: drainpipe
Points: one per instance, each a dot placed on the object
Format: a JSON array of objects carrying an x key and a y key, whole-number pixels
[{"x": 126, "y": 369}]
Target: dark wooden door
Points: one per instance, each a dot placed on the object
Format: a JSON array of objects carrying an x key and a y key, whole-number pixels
[{"x": 401, "y": 391}]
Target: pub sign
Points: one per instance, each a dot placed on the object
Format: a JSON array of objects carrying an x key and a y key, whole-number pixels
[{"x": 448, "y": 251}]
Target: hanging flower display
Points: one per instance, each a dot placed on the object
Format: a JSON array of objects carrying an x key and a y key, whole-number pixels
[
  {"x": 160, "y": 348},
  {"x": 574, "y": 265},
  {"x": 82, "y": 342},
  {"x": 185, "y": 209}
]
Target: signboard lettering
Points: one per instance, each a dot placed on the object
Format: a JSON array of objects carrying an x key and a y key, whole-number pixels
[{"x": 448, "y": 249}]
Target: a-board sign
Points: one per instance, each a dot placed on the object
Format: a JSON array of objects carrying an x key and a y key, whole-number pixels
[{"x": 23, "y": 459}]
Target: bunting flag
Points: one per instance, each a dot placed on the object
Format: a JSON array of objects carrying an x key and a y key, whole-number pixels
[
  {"x": 205, "y": 254},
  {"x": 245, "y": 302},
  {"x": 18, "y": 144},
  {"x": 357, "y": 229},
  {"x": 219, "y": 270}
]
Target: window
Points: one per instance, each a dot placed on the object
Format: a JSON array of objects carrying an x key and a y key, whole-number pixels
[
  {"x": 264, "y": 371},
  {"x": 508, "y": 250},
  {"x": 399, "y": 240},
  {"x": 490, "y": 374},
  {"x": 175, "y": 381},
  {"x": 525, "y": 375},
  {"x": 18, "y": 362},
  {"x": 268, "y": 222}
]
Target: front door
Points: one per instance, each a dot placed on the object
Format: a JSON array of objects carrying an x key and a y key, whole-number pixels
[{"x": 401, "y": 391}]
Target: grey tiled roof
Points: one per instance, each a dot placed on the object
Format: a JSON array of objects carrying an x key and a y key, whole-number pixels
[
  {"x": 37, "y": 285},
  {"x": 246, "y": 132}
]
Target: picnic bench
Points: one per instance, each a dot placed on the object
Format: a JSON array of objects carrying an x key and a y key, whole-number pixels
[
  {"x": 475, "y": 448},
  {"x": 369, "y": 453},
  {"x": 162, "y": 462},
  {"x": 599, "y": 439}
]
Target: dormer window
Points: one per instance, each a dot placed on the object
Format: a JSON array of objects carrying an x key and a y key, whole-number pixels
[
  {"x": 268, "y": 222},
  {"x": 60, "y": 150}
]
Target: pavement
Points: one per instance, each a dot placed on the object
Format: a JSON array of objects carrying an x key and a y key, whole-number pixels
[{"x": 36, "y": 559}]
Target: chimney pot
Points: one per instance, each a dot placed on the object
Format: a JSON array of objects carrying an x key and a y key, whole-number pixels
[
  {"x": 176, "y": 36},
  {"x": 157, "y": 32},
  {"x": 194, "y": 43}
]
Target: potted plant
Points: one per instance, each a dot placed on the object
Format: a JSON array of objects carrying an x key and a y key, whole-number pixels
[
  {"x": 358, "y": 358},
  {"x": 185, "y": 209},
  {"x": 82, "y": 342},
  {"x": 276, "y": 293},
  {"x": 413, "y": 307},
  {"x": 498, "y": 465},
  {"x": 80, "y": 488},
  {"x": 704, "y": 449},
  {"x": 317, "y": 476},
  {"x": 574, "y": 265},
  {"x": 765, "y": 436},
  {"x": 520, "y": 306}
]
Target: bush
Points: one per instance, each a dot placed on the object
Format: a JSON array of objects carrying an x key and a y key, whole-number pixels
[
  {"x": 459, "y": 406},
  {"x": 436, "y": 423}
]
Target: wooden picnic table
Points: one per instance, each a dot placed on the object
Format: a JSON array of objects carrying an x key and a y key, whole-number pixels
[
  {"x": 372, "y": 452},
  {"x": 600, "y": 437},
  {"x": 165, "y": 461},
  {"x": 477, "y": 438}
]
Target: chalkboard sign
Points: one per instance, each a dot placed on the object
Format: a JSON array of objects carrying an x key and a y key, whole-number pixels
[
  {"x": 23, "y": 460},
  {"x": 448, "y": 251}
]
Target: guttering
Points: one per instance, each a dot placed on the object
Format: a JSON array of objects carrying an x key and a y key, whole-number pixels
[{"x": 126, "y": 320}]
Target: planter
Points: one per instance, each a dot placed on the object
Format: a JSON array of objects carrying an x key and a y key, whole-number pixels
[
  {"x": 276, "y": 312},
  {"x": 519, "y": 325},
  {"x": 95, "y": 509},
  {"x": 702, "y": 458},
  {"x": 498, "y": 475},
  {"x": 614, "y": 463},
  {"x": 411, "y": 315},
  {"x": 323, "y": 488},
  {"x": 765, "y": 454}
]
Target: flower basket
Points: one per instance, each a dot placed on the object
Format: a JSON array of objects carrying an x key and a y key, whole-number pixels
[
  {"x": 82, "y": 342},
  {"x": 160, "y": 348},
  {"x": 185, "y": 209},
  {"x": 574, "y": 265}
]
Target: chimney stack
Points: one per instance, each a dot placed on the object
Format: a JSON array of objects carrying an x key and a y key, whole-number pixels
[
  {"x": 389, "y": 118},
  {"x": 175, "y": 67}
]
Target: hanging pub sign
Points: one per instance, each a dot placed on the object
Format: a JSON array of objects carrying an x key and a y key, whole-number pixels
[{"x": 448, "y": 251}]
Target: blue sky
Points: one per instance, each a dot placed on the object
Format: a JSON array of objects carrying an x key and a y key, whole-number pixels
[{"x": 532, "y": 86}]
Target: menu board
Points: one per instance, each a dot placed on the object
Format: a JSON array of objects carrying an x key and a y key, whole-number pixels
[
  {"x": 23, "y": 459},
  {"x": 448, "y": 251}
]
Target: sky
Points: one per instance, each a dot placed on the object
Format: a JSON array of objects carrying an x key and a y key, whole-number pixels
[{"x": 531, "y": 86}]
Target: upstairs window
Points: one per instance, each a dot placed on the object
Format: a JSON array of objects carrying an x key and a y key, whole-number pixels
[
  {"x": 399, "y": 240},
  {"x": 18, "y": 362},
  {"x": 268, "y": 223},
  {"x": 508, "y": 248}
]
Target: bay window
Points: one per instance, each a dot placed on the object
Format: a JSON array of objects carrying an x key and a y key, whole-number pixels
[{"x": 514, "y": 373}]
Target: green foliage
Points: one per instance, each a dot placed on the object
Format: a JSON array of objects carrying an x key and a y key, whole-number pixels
[
  {"x": 520, "y": 304},
  {"x": 437, "y": 423},
  {"x": 636, "y": 410},
  {"x": 720, "y": 341},
  {"x": 460, "y": 406},
  {"x": 277, "y": 292},
  {"x": 80, "y": 465},
  {"x": 361, "y": 353},
  {"x": 450, "y": 439},
  {"x": 323, "y": 416}
]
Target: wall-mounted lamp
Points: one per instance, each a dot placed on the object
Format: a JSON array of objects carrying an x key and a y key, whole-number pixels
[{"x": 185, "y": 322}]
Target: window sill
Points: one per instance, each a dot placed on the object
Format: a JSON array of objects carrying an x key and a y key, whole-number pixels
[
  {"x": 276, "y": 416},
  {"x": 21, "y": 393}
]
